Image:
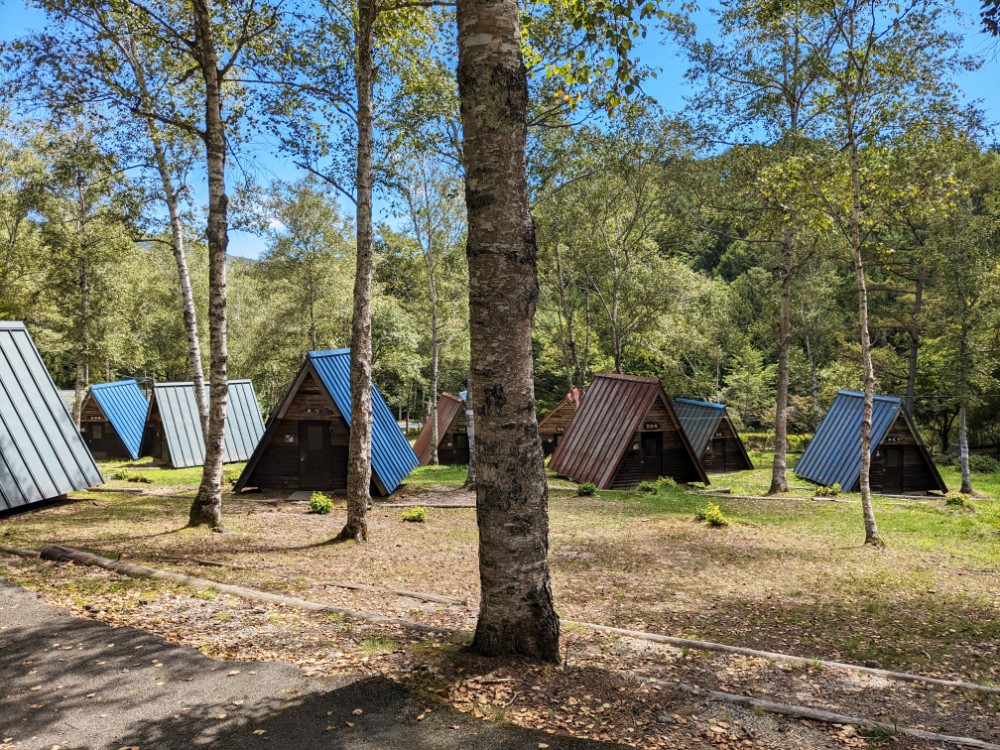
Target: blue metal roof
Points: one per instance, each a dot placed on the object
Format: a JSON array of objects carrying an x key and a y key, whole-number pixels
[
  {"x": 833, "y": 456},
  {"x": 42, "y": 454},
  {"x": 125, "y": 407},
  {"x": 178, "y": 411},
  {"x": 392, "y": 457},
  {"x": 700, "y": 420}
]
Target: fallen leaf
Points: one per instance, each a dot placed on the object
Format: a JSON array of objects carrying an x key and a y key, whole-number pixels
[
  {"x": 260, "y": 731},
  {"x": 357, "y": 712}
]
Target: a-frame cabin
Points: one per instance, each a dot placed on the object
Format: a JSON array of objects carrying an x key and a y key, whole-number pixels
[
  {"x": 901, "y": 463},
  {"x": 42, "y": 455},
  {"x": 713, "y": 436},
  {"x": 173, "y": 434},
  {"x": 553, "y": 425},
  {"x": 625, "y": 432},
  {"x": 112, "y": 420},
  {"x": 453, "y": 440},
  {"x": 305, "y": 444}
]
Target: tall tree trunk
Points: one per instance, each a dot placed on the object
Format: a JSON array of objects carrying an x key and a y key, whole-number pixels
[
  {"x": 359, "y": 462},
  {"x": 779, "y": 468},
  {"x": 871, "y": 527},
  {"x": 914, "y": 331},
  {"x": 177, "y": 244},
  {"x": 435, "y": 346},
  {"x": 83, "y": 353},
  {"x": 470, "y": 430},
  {"x": 207, "y": 506},
  {"x": 813, "y": 383},
  {"x": 516, "y": 614},
  {"x": 963, "y": 450}
]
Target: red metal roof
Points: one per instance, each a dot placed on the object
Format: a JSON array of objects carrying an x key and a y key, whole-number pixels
[
  {"x": 602, "y": 429},
  {"x": 449, "y": 407}
]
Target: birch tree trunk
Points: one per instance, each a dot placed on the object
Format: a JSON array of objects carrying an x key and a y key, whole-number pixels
[
  {"x": 779, "y": 468},
  {"x": 963, "y": 450},
  {"x": 359, "y": 463},
  {"x": 470, "y": 430},
  {"x": 207, "y": 506},
  {"x": 83, "y": 353},
  {"x": 871, "y": 527},
  {"x": 516, "y": 614},
  {"x": 170, "y": 197},
  {"x": 435, "y": 359}
]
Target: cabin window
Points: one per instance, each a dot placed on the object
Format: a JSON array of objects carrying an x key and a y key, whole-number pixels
[{"x": 97, "y": 431}]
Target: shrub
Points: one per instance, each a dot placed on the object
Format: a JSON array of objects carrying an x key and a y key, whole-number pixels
[
  {"x": 139, "y": 478},
  {"x": 958, "y": 500},
  {"x": 320, "y": 503},
  {"x": 665, "y": 482},
  {"x": 586, "y": 489},
  {"x": 649, "y": 487},
  {"x": 124, "y": 474},
  {"x": 416, "y": 514},
  {"x": 983, "y": 463},
  {"x": 712, "y": 515},
  {"x": 833, "y": 491},
  {"x": 120, "y": 474}
]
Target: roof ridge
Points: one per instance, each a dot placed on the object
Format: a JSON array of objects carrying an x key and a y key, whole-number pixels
[
  {"x": 876, "y": 396},
  {"x": 623, "y": 376}
]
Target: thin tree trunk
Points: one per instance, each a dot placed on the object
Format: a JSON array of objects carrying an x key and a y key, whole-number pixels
[
  {"x": 207, "y": 506},
  {"x": 813, "y": 383},
  {"x": 516, "y": 614},
  {"x": 963, "y": 450},
  {"x": 359, "y": 463},
  {"x": 914, "y": 330},
  {"x": 177, "y": 244},
  {"x": 779, "y": 468},
  {"x": 470, "y": 430},
  {"x": 435, "y": 345},
  {"x": 868, "y": 509},
  {"x": 83, "y": 353}
]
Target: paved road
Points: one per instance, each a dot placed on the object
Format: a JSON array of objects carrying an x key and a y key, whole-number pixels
[{"x": 73, "y": 684}]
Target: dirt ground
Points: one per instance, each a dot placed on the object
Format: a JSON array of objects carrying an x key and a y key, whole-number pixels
[{"x": 798, "y": 588}]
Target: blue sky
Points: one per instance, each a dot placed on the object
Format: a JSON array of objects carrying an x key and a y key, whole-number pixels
[{"x": 668, "y": 87}]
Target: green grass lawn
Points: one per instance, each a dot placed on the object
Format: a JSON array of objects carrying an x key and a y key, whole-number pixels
[{"x": 159, "y": 477}]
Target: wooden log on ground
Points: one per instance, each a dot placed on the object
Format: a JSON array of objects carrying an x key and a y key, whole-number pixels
[
  {"x": 60, "y": 553},
  {"x": 821, "y": 715},
  {"x": 28, "y": 553},
  {"x": 722, "y": 647}
]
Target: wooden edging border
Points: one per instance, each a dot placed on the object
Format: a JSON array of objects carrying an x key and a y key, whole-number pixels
[{"x": 64, "y": 554}]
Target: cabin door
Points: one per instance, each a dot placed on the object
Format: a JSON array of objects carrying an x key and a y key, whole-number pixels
[
  {"x": 652, "y": 455},
  {"x": 892, "y": 471},
  {"x": 314, "y": 461},
  {"x": 719, "y": 454}
]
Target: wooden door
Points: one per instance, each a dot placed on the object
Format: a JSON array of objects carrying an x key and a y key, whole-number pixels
[
  {"x": 314, "y": 458},
  {"x": 892, "y": 469},
  {"x": 719, "y": 454},
  {"x": 652, "y": 455}
]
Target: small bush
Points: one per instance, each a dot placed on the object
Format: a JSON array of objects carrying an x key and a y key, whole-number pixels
[
  {"x": 230, "y": 477},
  {"x": 587, "y": 489},
  {"x": 320, "y": 503},
  {"x": 648, "y": 487},
  {"x": 665, "y": 482},
  {"x": 139, "y": 478},
  {"x": 120, "y": 474},
  {"x": 958, "y": 500},
  {"x": 124, "y": 474},
  {"x": 833, "y": 491},
  {"x": 417, "y": 514},
  {"x": 712, "y": 515},
  {"x": 983, "y": 463}
]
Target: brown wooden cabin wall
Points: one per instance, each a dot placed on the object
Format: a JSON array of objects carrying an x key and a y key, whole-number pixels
[
  {"x": 280, "y": 466},
  {"x": 154, "y": 444},
  {"x": 453, "y": 446},
  {"x": 676, "y": 461},
  {"x": 916, "y": 474},
  {"x": 98, "y": 433},
  {"x": 733, "y": 459},
  {"x": 556, "y": 422}
]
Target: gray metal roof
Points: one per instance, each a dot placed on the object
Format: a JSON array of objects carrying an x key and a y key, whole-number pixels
[
  {"x": 700, "y": 420},
  {"x": 42, "y": 454},
  {"x": 178, "y": 411}
]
